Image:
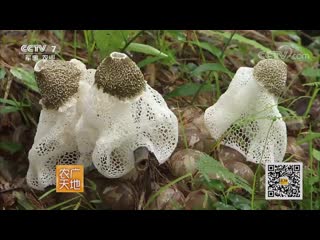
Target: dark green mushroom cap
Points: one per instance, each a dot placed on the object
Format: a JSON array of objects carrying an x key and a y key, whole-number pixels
[
  {"x": 272, "y": 74},
  {"x": 58, "y": 81},
  {"x": 120, "y": 77}
]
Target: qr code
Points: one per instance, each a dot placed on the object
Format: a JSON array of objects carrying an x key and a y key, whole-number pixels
[{"x": 284, "y": 181}]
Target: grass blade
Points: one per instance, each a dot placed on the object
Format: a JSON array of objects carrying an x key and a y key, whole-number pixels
[{"x": 146, "y": 49}]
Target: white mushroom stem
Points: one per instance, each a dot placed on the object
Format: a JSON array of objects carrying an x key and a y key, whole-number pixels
[
  {"x": 141, "y": 157},
  {"x": 141, "y": 154}
]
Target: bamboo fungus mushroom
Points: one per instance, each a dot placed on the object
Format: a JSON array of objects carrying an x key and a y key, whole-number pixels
[
  {"x": 121, "y": 113},
  {"x": 246, "y": 117},
  {"x": 98, "y": 117},
  {"x": 55, "y": 142}
]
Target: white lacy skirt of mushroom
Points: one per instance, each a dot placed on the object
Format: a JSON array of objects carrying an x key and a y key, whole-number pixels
[
  {"x": 246, "y": 118},
  {"x": 55, "y": 140},
  {"x": 110, "y": 130},
  {"x": 94, "y": 127}
]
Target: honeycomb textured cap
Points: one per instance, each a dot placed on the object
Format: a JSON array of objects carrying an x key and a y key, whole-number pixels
[
  {"x": 272, "y": 74},
  {"x": 57, "y": 80},
  {"x": 119, "y": 76}
]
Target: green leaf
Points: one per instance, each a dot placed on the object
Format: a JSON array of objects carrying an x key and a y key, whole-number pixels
[
  {"x": 316, "y": 154},
  {"x": 96, "y": 201},
  {"x": 189, "y": 67},
  {"x": 239, "y": 202},
  {"x": 2, "y": 73},
  {"x": 8, "y": 101},
  {"x": 209, "y": 47},
  {"x": 208, "y": 165},
  {"x": 76, "y": 207},
  {"x": 311, "y": 180},
  {"x": 22, "y": 200},
  {"x": 223, "y": 206},
  {"x": 10, "y": 147},
  {"x": 300, "y": 49},
  {"x": 178, "y": 34},
  {"x": 93, "y": 186},
  {"x": 68, "y": 206},
  {"x": 27, "y": 77},
  {"x": 260, "y": 204},
  {"x": 311, "y": 72},
  {"x": 8, "y": 109},
  {"x": 316, "y": 43},
  {"x": 162, "y": 189},
  {"x": 313, "y": 84},
  {"x": 309, "y": 137},
  {"x": 148, "y": 61},
  {"x": 189, "y": 89},
  {"x": 108, "y": 41},
  {"x": 292, "y": 34},
  {"x": 59, "y": 33},
  {"x": 13, "y": 103},
  {"x": 47, "y": 193},
  {"x": 286, "y": 111},
  {"x": 146, "y": 49},
  {"x": 241, "y": 39},
  {"x": 216, "y": 67},
  {"x": 214, "y": 184}
]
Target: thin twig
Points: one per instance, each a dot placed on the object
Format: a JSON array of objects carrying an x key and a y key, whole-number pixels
[
  {"x": 8, "y": 87},
  {"x": 198, "y": 92},
  {"x": 141, "y": 200},
  {"x": 4, "y": 64},
  {"x": 306, "y": 35},
  {"x": 227, "y": 44},
  {"x": 10, "y": 189}
]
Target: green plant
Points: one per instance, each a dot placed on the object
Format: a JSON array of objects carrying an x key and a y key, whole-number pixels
[
  {"x": 311, "y": 180},
  {"x": 2, "y": 73},
  {"x": 314, "y": 75},
  {"x": 81, "y": 201},
  {"x": 229, "y": 197},
  {"x": 12, "y": 106},
  {"x": 90, "y": 44},
  {"x": 162, "y": 189},
  {"x": 26, "y": 76},
  {"x": 108, "y": 41},
  {"x": 11, "y": 147},
  {"x": 239, "y": 38}
]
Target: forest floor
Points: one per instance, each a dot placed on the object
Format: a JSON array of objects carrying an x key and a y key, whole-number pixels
[{"x": 196, "y": 70}]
